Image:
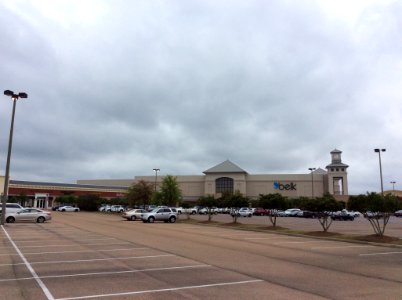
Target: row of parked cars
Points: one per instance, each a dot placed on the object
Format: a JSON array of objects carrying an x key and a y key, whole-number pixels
[
  {"x": 161, "y": 213},
  {"x": 17, "y": 213},
  {"x": 169, "y": 214}
]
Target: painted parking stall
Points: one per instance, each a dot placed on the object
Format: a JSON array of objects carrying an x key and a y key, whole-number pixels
[{"x": 62, "y": 262}]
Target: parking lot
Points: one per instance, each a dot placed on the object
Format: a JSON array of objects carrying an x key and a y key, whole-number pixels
[{"x": 97, "y": 256}]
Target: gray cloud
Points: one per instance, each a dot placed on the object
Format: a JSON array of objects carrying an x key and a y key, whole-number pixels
[{"x": 118, "y": 89}]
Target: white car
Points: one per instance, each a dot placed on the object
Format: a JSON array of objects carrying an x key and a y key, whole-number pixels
[
  {"x": 11, "y": 208},
  {"x": 134, "y": 214},
  {"x": 68, "y": 208},
  {"x": 29, "y": 215},
  {"x": 292, "y": 212},
  {"x": 117, "y": 208},
  {"x": 243, "y": 212}
]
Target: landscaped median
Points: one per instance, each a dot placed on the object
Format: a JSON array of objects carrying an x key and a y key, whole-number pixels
[{"x": 370, "y": 239}]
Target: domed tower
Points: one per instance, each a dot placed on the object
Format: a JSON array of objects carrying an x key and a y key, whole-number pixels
[{"x": 337, "y": 175}]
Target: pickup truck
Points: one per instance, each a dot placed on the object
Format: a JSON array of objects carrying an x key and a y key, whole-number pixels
[{"x": 191, "y": 211}]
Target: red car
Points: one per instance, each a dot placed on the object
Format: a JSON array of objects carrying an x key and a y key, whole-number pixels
[{"x": 260, "y": 212}]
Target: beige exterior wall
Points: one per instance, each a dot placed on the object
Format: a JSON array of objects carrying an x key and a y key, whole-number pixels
[
  {"x": 313, "y": 184},
  {"x": 264, "y": 184},
  {"x": 194, "y": 187},
  {"x": 107, "y": 182},
  {"x": 2, "y": 184}
]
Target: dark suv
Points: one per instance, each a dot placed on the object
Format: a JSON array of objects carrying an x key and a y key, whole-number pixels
[{"x": 160, "y": 214}]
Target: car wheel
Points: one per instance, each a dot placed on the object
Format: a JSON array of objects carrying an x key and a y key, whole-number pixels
[
  {"x": 76, "y": 210},
  {"x": 41, "y": 220},
  {"x": 151, "y": 219},
  {"x": 193, "y": 212},
  {"x": 63, "y": 210},
  {"x": 133, "y": 218},
  {"x": 10, "y": 220},
  {"x": 172, "y": 219}
]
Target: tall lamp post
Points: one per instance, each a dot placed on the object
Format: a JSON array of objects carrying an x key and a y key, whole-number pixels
[
  {"x": 393, "y": 185},
  {"x": 156, "y": 176},
  {"x": 14, "y": 98},
  {"x": 379, "y": 159},
  {"x": 312, "y": 182}
]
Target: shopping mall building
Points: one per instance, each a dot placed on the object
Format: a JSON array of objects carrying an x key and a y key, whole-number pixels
[
  {"x": 228, "y": 177},
  {"x": 224, "y": 177}
]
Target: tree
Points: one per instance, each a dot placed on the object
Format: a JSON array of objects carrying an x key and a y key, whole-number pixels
[
  {"x": 89, "y": 202},
  {"x": 209, "y": 202},
  {"x": 140, "y": 193},
  {"x": 378, "y": 209},
  {"x": 235, "y": 201},
  {"x": 67, "y": 199},
  {"x": 170, "y": 193},
  {"x": 21, "y": 199},
  {"x": 273, "y": 202},
  {"x": 322, "y": 206}
]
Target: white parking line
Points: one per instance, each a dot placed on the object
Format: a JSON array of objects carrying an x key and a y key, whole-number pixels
[
  {"x": 105, "y": 273},
  {"x": 164, "y": 290},
  {"x": 41, "y": 240},
  {"x": 89, "y": 260},
  {"x": 380, "y": 253},
  {"x": 340, "y": 247},
  {"x": 294, "y": 242},
  {"x": 31, "y": 270},
  {"x": 273, "y": 238},
  {"x": 78, "y": 251},
  {"x": 69, "y": 245},
  {"x": 240, "y": 234}
]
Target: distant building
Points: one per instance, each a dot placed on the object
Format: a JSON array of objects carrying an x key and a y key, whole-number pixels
[
  {"x": 228, "y": 177},
  {"x": 224, "y": 177}
]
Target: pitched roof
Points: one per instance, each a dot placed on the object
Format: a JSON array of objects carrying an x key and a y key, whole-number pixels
[{"x": 225, "y": 167}]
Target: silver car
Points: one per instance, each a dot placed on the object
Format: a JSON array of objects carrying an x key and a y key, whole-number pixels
[
  {"x": 68, "y": 208},
  {"x": 160, "y": 214},
  {"x": 29, "y": 215},
  {"x": 134, "y": 214}
]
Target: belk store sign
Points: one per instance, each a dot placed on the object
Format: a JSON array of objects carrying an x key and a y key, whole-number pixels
[{"x": 284, "y": 186}]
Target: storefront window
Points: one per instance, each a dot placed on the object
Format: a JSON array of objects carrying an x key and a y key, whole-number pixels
[{"x": 224, "y": 184}]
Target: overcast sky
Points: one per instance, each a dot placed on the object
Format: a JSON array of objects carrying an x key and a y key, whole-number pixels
[{"x": 117, "y": 88}]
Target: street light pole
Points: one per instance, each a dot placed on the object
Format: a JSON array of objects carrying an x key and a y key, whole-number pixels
[
  {"x": 393, "y": 185},
  {"x": 379, "y": 159},
  {"x": 14, "y": 98},
  {"x": 312, "y": 182},
  {"x": 156, "y": 176}
]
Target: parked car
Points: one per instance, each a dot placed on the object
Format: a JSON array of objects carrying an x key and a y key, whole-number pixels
[
  {"x": 292, "y": 212},
  {"x": 278, "y": 213},
  {"x": 306, "y": 214},
  {"x": 191, "y": 211},
  {"x": 28, "y": 215},
  {"x": 134, "y": 214},
  {"x": 204, "y": 211},
  {"x": 260, "y": 212},
  {"x": 342, "y": 216},
  {"x": 159, "y": 214},
  {"x": 352, "y": 213},
  {"x": 117, "y": 208},
  {"x": 68, "y": 208},
  {"x": 11, "y": 207},
  {"x": 242, "y": 212},
  {"x": 398, "y": 213},
  {"x": 105, "y": 208}
]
